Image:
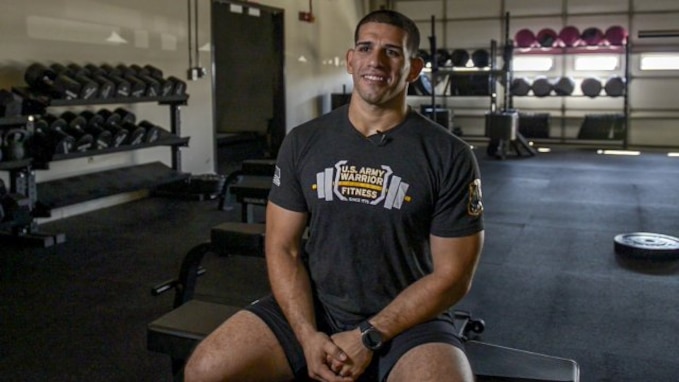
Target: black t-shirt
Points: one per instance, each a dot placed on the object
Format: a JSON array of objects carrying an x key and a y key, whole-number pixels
[{"x": 373, "y": 202}]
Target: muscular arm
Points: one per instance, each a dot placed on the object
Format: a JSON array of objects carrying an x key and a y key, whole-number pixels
[
  {"x": 288, "y": 277},
  {"x": 455, "y": 261},
  {"x": 291, "y": 287}
]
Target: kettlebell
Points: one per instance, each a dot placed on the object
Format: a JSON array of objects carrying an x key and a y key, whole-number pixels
[{"x": 15, "y": 144}]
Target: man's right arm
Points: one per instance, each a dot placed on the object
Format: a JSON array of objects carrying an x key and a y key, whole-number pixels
[{"x": 291, "y": 286}]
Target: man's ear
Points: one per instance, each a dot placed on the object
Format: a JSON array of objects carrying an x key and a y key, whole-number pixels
[
  {"x": 416, "y": 66},
  {"x": 349, "y": 55}
]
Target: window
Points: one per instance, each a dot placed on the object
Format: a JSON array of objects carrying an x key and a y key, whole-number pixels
[
  {"x": 665, "y": 61},
  {"x": 598, "y": 62},
  {"x": 532, "y": 64}
]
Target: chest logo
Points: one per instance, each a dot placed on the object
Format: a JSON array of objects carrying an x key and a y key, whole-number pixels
[{"x": 358, "y": 184}]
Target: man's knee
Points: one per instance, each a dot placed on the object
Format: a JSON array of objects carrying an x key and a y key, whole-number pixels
[
  {"x": 242, "y": 348},
  {"x": 432, "y": 362}
]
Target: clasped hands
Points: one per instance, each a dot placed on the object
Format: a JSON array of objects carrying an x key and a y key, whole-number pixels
[{"x": 339, "y": 358}]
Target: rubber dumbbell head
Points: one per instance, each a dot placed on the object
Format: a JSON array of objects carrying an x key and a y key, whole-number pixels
[
  {"x": 153, "y": 131},
  {"x": 42, "y": 78},
  {"x": 88, "y": 88}
]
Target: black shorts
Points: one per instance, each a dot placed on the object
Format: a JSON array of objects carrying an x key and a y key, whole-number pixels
[{"x": 441, "y": 329}]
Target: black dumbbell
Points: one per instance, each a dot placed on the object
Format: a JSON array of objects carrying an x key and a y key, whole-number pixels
[
  {"x": 153, "y": 132},
  {"x": 128, "y": 121},
  {"x": 97, "y": 121},
  {"x": 106, "y": 87},
  {"x": 88, "y": 88},
  {"x": 123, "y": 87},
  {"x": 179, "y": 86},
  {"x": 152, "y": 84},
  {"x": 166, "y": 86},
  {"x": 137, "y": 86},
  {"x": 102, "y": 138},
  {"x": 49, "y": 140},
  {"x": 125, "y": 120},
  {"x": 83, "y": 141},
  {"x": 42, "y": 78}
]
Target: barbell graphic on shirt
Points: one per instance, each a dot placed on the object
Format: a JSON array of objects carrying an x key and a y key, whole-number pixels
[{"x": 363, "y": 185}]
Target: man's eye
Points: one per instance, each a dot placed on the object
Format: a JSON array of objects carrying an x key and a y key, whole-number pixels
[
  {"x": 393, "y": 52},
  {"x": 363, "y": 48}
]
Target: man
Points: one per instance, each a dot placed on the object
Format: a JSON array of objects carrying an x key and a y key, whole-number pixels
[{"x": 392, "y": 202}]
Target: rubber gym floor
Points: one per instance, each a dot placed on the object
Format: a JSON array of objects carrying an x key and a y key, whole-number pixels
[{"x": 549, "y": 280}]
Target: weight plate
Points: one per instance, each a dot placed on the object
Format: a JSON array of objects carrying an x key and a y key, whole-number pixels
[{"x": 647, "y": 245}]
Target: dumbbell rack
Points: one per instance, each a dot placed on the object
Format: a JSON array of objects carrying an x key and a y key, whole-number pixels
[
  {"x": 77, "y": 189},
  {"x": 22, "y": 181}
]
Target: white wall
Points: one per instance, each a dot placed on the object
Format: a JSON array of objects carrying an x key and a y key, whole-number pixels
[{"x": 157, "y": 32}]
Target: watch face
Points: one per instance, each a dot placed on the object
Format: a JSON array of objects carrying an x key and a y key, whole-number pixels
[{"x": 372, "y": 339}]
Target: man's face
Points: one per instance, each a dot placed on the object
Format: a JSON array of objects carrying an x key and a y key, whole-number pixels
[{"x": 380, "y": 64}]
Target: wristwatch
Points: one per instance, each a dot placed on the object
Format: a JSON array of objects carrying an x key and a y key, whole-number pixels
[{"x": 370, "y": 336}]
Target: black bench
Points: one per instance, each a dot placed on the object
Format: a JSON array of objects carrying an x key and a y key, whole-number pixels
[
  {"x": 250, "y": 185},
  {"x": 177, "y": 332}
]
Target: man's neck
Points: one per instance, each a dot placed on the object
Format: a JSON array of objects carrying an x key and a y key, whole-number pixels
[{"x": 373, "y": 119}]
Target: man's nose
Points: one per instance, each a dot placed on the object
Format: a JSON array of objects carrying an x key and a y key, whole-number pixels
[{"x": 377, "y": 57}]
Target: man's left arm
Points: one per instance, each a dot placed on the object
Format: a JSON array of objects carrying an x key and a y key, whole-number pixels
[{"x": 455, "y": 261}]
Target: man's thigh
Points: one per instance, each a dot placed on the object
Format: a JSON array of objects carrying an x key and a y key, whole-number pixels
[
  {"x": 433, "y": 361},
  {"x": 242, "y": 348}
]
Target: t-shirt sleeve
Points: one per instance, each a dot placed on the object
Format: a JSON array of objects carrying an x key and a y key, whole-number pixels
[
  {"x": 459, "y": 207},
  {"x": 286, "y": 190}
]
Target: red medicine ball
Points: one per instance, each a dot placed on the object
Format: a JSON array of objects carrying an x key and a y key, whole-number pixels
[
  {"x": 592, "y": 36},
  {"x": 525, "y": 38},
  {"x": 616, "y": 35},
  {"x": 546, "y": 37},
  {"x": 569, "y": 36}
]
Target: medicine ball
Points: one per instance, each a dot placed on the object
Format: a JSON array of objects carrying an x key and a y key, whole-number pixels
[
  {"x": 564, "y": 86},
  {"x": 591, "y": 87},
  {"x": 569, "y": 36},
  {"x": 616, "y": 35},
  {"x": 546, "y": 37},
  {"x": 481, "y": 58},
  {"x": 592, "y": 36},
  {"x": 615, "y": 86},
  {"x": 541, "y": 86},
  {"x": 519, "y": 86},
  {"x": 425, "y": 56},
  {"x": 459, "y": 58},
  {"x": 524, "y": 38},
  {"x": 442, "y": 57}
]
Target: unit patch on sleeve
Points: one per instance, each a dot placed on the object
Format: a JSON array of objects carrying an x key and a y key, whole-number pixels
[{"x": 475, "y": 203}]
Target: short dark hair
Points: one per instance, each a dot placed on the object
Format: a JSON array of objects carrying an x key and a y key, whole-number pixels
[{"x": 396, "y": 19}]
